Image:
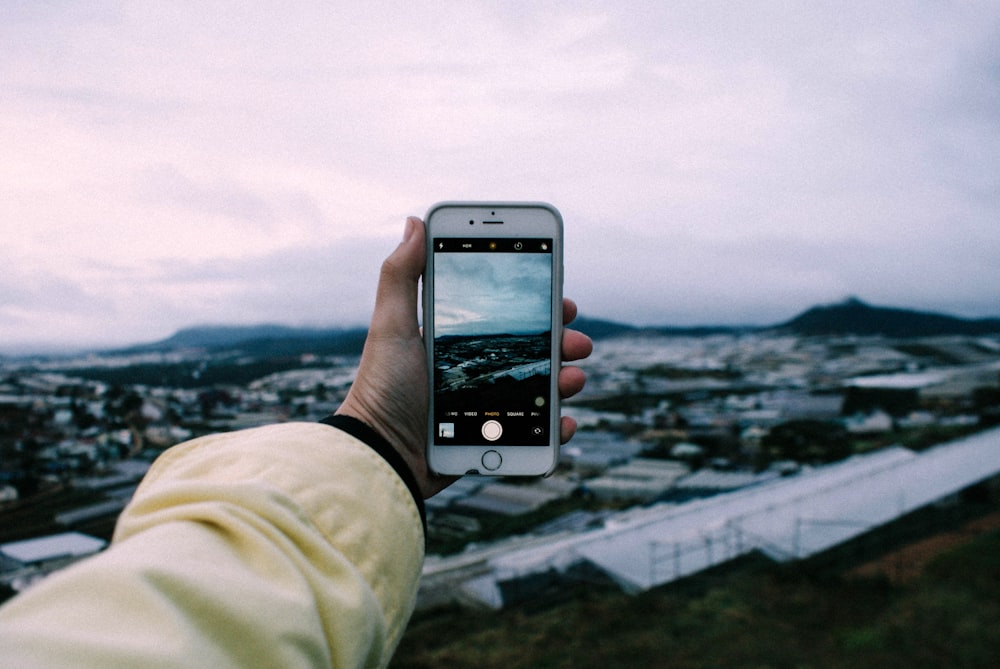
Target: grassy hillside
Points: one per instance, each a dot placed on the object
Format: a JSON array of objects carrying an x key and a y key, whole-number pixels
[{"x": 752, "y": 614}]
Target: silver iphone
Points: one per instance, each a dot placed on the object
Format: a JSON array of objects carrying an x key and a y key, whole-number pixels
[{"x": 492, "y": 327}]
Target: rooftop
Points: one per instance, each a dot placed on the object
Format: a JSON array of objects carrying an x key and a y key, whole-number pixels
[{"x": 52, "y": 547}]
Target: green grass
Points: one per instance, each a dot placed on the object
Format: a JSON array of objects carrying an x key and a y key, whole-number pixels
[{"x": 751, "y": 614}]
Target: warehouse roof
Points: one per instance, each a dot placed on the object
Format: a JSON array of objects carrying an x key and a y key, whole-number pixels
[
  {"x": 787, "y": 518},
  {"x": 43, "y": 549}
]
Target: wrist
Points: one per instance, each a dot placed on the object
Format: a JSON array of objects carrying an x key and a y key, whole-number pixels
[{"x": 364, "y": 432}]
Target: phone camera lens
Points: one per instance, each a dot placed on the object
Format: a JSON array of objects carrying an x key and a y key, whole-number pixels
[{"x": 471, "y": 222}]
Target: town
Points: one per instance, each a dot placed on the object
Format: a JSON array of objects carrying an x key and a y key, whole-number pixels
[
  {"x": 468, "y": 363},
  {"x": 665, "y": 421}
]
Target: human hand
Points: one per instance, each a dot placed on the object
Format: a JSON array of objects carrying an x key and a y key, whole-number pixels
[{"x": 390, "y": 392}]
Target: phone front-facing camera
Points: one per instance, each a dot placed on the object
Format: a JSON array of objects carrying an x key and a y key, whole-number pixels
[{"x": 471, "y": 222}]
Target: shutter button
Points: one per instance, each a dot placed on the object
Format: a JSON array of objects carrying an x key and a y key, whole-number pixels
[{"x": 492, "y": 430}]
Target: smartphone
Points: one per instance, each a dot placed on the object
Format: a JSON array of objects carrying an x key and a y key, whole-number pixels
[{"x": 493, "y": 330}]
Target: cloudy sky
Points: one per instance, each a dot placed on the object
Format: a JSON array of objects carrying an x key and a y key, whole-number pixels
[
  {"x": 170, "y": 164},
  {"x": 492, "y": 293}
]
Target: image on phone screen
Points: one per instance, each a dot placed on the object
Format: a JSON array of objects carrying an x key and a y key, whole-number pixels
[{"x": 492, "y": 341}]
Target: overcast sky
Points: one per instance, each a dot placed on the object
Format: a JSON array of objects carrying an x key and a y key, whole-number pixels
[
  {"x": 170, "y": 164},
  {"x": 492, "y": 293}
]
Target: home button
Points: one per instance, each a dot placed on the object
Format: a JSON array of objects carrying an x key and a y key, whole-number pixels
[{"x": 492, "y": 460}]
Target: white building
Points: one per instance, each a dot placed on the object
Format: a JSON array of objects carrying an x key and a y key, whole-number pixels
[{"x": 25, "y": 562}]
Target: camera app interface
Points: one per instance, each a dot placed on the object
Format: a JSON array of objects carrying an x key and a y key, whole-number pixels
[{"x": 493, "y": 324}]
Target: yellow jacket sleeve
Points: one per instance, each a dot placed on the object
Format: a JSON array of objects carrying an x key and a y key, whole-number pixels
[{"x": 286, "y": 546}]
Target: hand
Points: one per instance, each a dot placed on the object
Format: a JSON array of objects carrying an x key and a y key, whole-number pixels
[{"x": 390, "y": 392}]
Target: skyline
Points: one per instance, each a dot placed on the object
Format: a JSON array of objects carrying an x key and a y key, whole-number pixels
[
  {"x": 714, "y": 163},
  {"x": 212, "y": 335}
]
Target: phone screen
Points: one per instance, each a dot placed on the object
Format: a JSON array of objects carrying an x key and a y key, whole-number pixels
[{"x": 492, "y": 350}]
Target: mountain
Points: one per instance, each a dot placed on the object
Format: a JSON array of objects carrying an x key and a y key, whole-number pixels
[
  {"x": 854, "y": 316},
  {"x": 597, "y": 328},
  {"x": 267, "y": 339},
  {"x": 213, "y": 336}
]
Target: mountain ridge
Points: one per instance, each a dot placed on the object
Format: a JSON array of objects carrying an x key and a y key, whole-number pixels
[
  {"x": 848, "y": 317},
  {"x": 261, "y": 339},
  {"x": 854, "y": 316}
]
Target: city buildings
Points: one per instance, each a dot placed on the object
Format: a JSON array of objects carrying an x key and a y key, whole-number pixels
[{"x": 663, "y": 420}]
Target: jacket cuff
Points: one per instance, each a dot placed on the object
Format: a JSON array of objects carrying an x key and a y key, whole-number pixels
[{"x": 365, "y": 433}]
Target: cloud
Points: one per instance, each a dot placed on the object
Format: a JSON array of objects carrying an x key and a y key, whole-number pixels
[
  {"x": 41, "y": 308},
  {"x": 43, "y": 291},
  {"x": 165, "y": 186},
  {"x": 330, "y": 284},
  {"x": 714, "y": 162},
  {"x": 486, "y": 293}
]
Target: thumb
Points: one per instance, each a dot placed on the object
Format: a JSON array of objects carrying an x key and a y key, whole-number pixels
[{"x": 396, "y": 299}]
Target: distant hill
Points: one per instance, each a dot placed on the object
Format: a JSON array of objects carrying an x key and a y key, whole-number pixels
[
  {"x": 597, "y": 328},
  {"x": 264, "y": 340},
  {"x": 854, "y": 316},
  {"x": 212, "y": 336}
]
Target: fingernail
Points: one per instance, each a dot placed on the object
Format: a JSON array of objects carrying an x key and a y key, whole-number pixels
[{"x": 408, "y": 230}]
